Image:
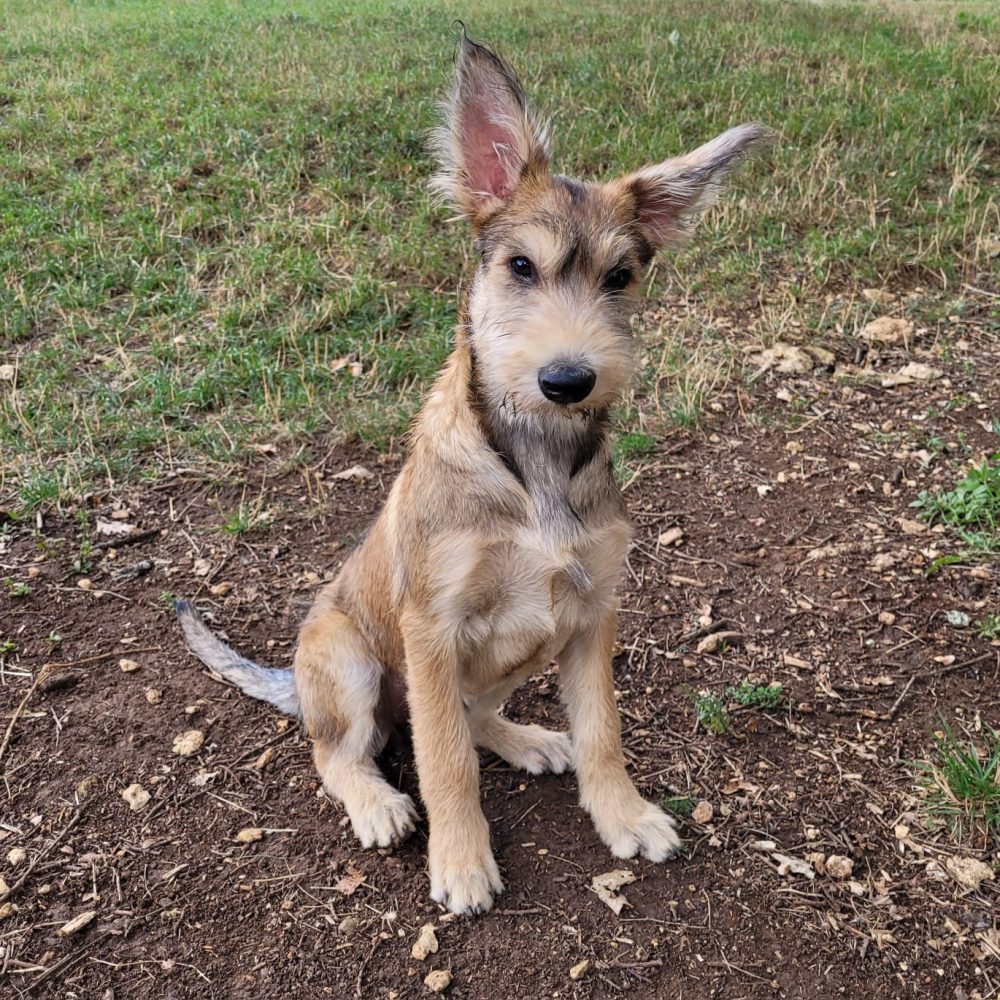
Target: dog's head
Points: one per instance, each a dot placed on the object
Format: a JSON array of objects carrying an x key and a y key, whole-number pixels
[{"x": 552, "y": 298}]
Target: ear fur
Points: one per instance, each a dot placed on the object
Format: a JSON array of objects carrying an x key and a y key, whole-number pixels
[
  {"x": 489, "y": 138},
  {"x": 669, "y": 195}
]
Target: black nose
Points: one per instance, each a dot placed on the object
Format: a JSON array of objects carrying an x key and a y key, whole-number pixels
[{"x": 566, "y": 383}]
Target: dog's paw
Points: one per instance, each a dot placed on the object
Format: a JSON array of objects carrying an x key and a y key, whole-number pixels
[
  {"x": 385, "y": 820},
  {"x": 466, "y": 886},
  {"x": 641, "y": 828},
  {"x": 539, "y": 751}
]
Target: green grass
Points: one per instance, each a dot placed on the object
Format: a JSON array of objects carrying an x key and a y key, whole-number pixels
[
  {"x": 206, "y": 204},
  {"x": 961, "y": 785},
  {"x": 971, "y": 509}
]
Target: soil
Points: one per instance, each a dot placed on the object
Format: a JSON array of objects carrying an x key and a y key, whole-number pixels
[{"x": 797, "y": 536}]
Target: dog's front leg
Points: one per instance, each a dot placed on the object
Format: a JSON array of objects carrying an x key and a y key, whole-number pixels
[
  {"x": 625, "y": 821},
  {"x": 464, "y": 874}
]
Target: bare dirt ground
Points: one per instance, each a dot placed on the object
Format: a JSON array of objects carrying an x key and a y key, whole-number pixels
[{"x": 795, "y": 535}]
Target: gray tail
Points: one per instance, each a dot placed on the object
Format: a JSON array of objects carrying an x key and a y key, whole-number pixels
[{"x": 274, "y": 686}]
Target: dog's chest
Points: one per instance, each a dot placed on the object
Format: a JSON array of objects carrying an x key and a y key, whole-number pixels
[{"x": 519, "y": 599}]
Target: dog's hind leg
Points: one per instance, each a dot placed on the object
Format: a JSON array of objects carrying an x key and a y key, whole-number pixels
[
  {"x": 531, "y": 748},
  {"x": 339, "y": 682}
]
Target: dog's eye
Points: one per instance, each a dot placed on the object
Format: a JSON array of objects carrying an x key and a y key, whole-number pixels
[
  {"x": 618, "y": 279},
  {"x": 523, "y": 268}
]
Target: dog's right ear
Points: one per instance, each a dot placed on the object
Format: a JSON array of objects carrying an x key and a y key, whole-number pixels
[{"x": 489, "y": 139}]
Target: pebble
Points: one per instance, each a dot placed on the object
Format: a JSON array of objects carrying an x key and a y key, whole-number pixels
[
  {"x": 128, "y": 666},
  {"x": 438, "y": 981},
  {"x": 136, "y": 796},
  {"x": 189, "y": 742},
  {"x": 579, "y": 970}
]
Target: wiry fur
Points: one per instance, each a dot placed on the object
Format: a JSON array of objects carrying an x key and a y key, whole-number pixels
[{"x": 503, "y": 538}]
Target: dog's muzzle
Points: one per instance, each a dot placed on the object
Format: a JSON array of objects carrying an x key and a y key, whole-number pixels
[{"x": 566, "y": 383}]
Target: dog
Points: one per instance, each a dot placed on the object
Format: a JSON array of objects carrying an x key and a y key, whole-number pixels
[{"x": 503, "y": 538}]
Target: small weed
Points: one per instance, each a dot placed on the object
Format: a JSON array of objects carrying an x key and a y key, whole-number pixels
[
  {"x": 245, "y": 519},
  {"x": 971, "y": 509},
  {"x": 710, "y": 713},
  {"x": 755, "y": 695},
  {"x": 961, "y": 784},
  {"x": 168, "y": 600},
  {"x": 16, "y": 588},
  {"x": 8, "y": 646},
  {"x": 988, "y": 627},
  {"x": 53, "y": 638},
  {"x": 679, "y": 805}
]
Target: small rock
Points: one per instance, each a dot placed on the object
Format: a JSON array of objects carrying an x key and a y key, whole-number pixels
[
  {"x": 220, "y": 589},
  {"x": 887, "y": 330},
  {"x": 202, "y": 567},
  {"x": 84, "y": 584},
  {"x": 357, "y": 474},
  {"x": 712, "y": 642},
  {"x": 128, "y": 666},
  {"x": 882, "y": 562},
  {"x": 136, "y": 796},
  {"x": 154, "y": 696},
  {"x": 16, "y": 855},
  {"x": 264, "y": 759},
  {"x": 438, "y": 981},
  {"x": 579, "y": 970},
  {"x": 915, "y": 371},
  {"x": 80, "y": 921},
  {"x": 839, "y": 867},
  {"x": 703, "y": 812},
  {"x": 426, "y": 943},
  {"x": 670, "y": 537},
  {"x": 969, "y": 872},
  {"x": 189, "y": 742},
  {"x": 886, "y": 618},
  {"x": 249, "y": 835},
  {"x": 6, "y": 373},
  {"x": 7, "y": 910},
  {"x": 348, "y": 925}
]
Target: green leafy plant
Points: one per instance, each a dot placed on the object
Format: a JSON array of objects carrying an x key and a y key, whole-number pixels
[
  {"x": 679, "y": 805},
  {"x": 756, "y": 695},
  {"x": 971, "y": 509},
  {"x": 16, "y": 588},
  {"x": 988, "y": 627},
  {"x": 710, "y": 713}
]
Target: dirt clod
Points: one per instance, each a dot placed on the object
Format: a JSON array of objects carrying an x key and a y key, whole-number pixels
[
  {"x": 438, "y": 981},
  {"x": 426, "y": 943},
  {"x": 188, "y": 743},
  {"x": 136, "y": 796}
]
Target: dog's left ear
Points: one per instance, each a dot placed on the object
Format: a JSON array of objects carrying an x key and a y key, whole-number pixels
[
  {"x": 489, "y": 139},
  {"x": 670, "y": 195}
]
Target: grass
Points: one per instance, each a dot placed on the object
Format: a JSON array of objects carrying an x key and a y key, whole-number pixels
[
  {"x": 679, "y": 805},
  {"x": 206, "y": 205},
  {"x": 961, "y": 785},
  {"x": 971, "y": 509}
]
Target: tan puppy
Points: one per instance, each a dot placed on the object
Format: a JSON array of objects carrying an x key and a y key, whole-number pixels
[{"x": 503, "y": 538}]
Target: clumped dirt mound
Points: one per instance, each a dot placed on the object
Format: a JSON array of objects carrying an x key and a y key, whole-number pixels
[{"x": 777, "y": 545}]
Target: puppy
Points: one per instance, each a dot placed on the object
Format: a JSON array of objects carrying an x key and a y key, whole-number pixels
[{"x": 503, "y": 538}]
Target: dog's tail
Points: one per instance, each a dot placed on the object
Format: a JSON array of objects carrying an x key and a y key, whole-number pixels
[{"x": 270, "y": 685}]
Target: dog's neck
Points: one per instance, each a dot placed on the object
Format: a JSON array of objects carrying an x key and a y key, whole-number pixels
[{"x": 561, "y": 460}]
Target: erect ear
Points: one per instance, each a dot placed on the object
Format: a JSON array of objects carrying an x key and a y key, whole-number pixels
[
  {"x": 489, "y": 139},
  {"x": 669, "y": 195}
]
